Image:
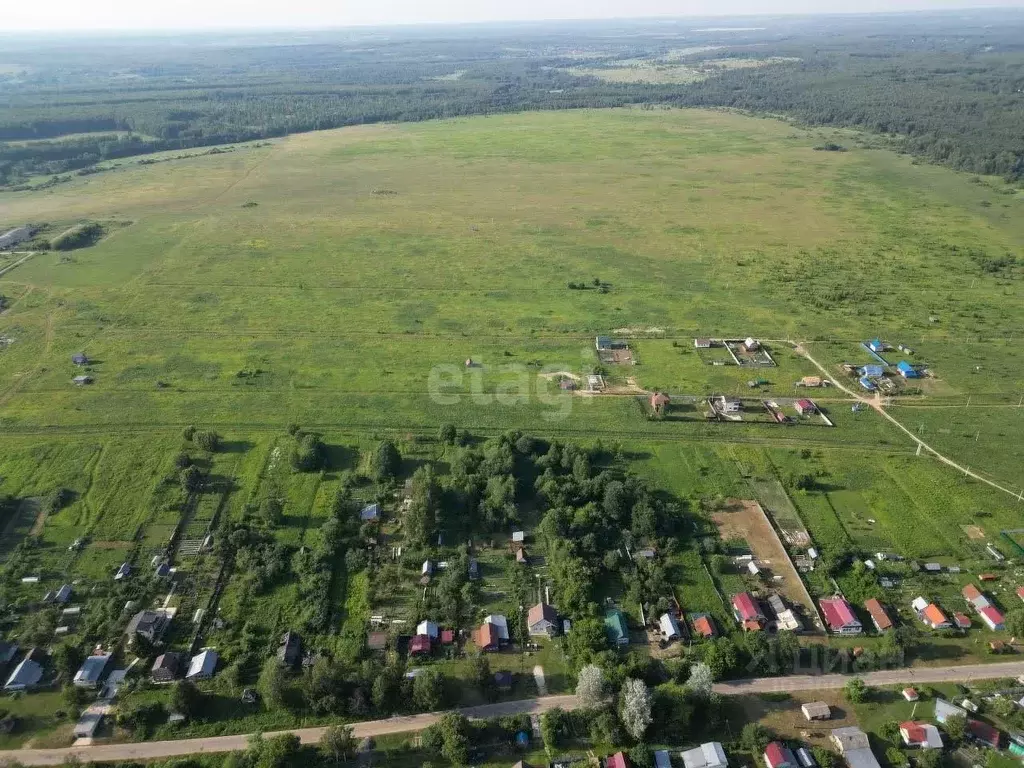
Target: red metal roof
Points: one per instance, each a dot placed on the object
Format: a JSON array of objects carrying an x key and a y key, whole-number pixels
[
  {"x": 420, "y": 644},
  {"x": 962, "y": 620},
  {"x": 805, "y": 405},
  {"x": 775, "y": 754},
  {"x": 983, "y": 732},
  {"x": 934, "y": 615},
  {"x": 992, "y": 614},
  {"x": 914, "y": 732},
  {"x": 970, "y": 592},
  {"x": 746, "y": 607},
  {"x": 838, "y": 613},
  {"x": 618, "y": 760},
  {"x": 447, "y": 636},
  {"x": 1020, "y": 592}
]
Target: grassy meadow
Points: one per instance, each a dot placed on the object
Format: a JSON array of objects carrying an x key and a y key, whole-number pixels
[{"x": 340, "y": 280}]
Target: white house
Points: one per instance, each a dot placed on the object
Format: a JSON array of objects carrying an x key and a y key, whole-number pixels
[
  {"x": 709, "y": 755},
  {"x": 202, "y": 665},
  {"x": 669, "y": 627},
  {"x": 428, "y": 628}
]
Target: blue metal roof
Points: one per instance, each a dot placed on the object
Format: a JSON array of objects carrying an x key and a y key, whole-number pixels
[
  {"x": 868, "y": 384},
  {"x": 872, "y": 371}
]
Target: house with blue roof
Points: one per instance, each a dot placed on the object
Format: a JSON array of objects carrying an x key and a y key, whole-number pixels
[
  {"x": 907, "y": 371},
  {"x": 875, "y": 345},
  {"x": 872, "y": 371}
]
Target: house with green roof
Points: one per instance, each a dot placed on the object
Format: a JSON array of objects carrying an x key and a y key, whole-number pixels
[{"x": 615, "y": 627}]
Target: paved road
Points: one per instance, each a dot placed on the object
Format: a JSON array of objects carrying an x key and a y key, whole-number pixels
[{"x": 158, "y": 750}]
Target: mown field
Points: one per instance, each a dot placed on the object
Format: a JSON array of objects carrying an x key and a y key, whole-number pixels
[{"x": 340, "y": 281}]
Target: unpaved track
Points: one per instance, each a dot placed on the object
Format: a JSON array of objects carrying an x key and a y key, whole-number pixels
[
  {"x": 877, "y": 405},
  {"x": 160, "y": 750}
]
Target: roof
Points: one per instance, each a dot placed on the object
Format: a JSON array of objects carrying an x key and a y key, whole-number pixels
[
  {"x": 63, "y": 594},
  {"x": 203, "y": 663},
  {"x": 370, "y": 512},
  {"x": 910, "y": 694},
  {"x": 838, "y": 613},
  {"x": 707, "y": 755},
  {"x": 428, "y": 628},
  {"x": 659, "y": 399},
  {"x": 816, "y": 709},
  {"x": 776, "y": 754},
  {"x": 168, "y": 661},
  {"x": 971, "y": 593},
  {"x": 542, "y": 612},
  {"x": 615, "y": 625},
  {"x": 850, "y": 737},
  {"x": 503, "y": 678},
  {"x": 962, "y": 620},
  {"x": 913, "y": 733},
  {"x": 500, "y": 624},
  {"x": 487, "y": 635},
  {"x": 878, "y": 614},
  {"x": 805, "y": 405},
  {"x": 661, "y": 759},
  {"x": 983, "y": 732},
  {"x": 703, "y": 626},
  {"x": 944, "y": 710},
  {"x": 669, "y": 625},
  {"x": 934, "y": 615},
  {"x": 618, "y": 760},
  {"x": 420, "y": 644},
  {"x": 872, "y": 371},
  {"x": 92, "y": 668},
  {"x": 745, "y": 606},
  {"x": 995, "y": 618},
  {"x": 26, "y": 674},
  {"x": 903, "y": 365},
  {"x": 447, "y": 636}
]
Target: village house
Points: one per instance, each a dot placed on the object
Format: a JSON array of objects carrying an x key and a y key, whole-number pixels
[
  {"x": 428, "y": 628},
  {"x": 747, "y": 612},
  {"x": 289, "y": 651},
  {"x": 708, "y": 755},
  {"x": 704, "y": 626},
  {"x": 840, "y": 617},
  {"x": 542, "y": 620},
  {"x": 805, "y": 407},
  {"x": 615, "y": 627},
  {"x": 919, "y": 734},
  {"x": 993, "y": 618},
  {"x": 166, "y": 667},
  {"x": 369, "y": 513},
  {"x": 669, "y": 627},
  {"x": 702, "y": 343},
  {"x": 147, "y": 624},
  {"x": 778, "y": 755},
  {"x": 854, "y": 746},
  {"x": 28, "y": 673},
  {"x": 88, "y": 675},
  {"x": 419, "y": 645},
  {"x": 500, "y": 625},
  {"x": 879, "y": 616},
  {"x": 906, "y": 370},
  {"x": 486, "y": 638},
  {"x": 202, "y": 665}
]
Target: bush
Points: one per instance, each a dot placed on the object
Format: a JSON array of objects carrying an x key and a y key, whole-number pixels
[
  {"x": 207, "y": 440},
  {"x": 309, "y": 454},
  {"x": 81, "y": 236}
]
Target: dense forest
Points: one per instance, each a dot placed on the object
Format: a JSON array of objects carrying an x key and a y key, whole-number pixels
[{"x": 947, "y": 87}]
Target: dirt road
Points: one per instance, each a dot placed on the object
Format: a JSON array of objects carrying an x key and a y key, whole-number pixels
[
  {"x": 877, "y": 405},
  {"x": 159, "y": 750}
]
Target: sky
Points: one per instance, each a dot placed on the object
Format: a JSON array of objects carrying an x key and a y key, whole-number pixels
[{"x": 54, "y": 15}]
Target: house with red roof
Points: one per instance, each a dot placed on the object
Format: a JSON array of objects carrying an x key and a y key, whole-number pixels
[
  {"x": 618, "y": 760},
  {"x": 923, "y": 735},
  {"x": 933, "y": 616},
  {"x": 419, "y": 645},
  {"x": 962, "y": 620},
  {"x": 840, "y": 617},
  {"x": 993, "y": 618},
  {"x": 447, "y": 636},
  {"x": 1020, "y": 593},
  {"x": 487, "y": 638},
  {"x": 805, "y": 407},
  {"x": 778, "y": 755},
  {"x": 747, "y": 611},
  {"x": 983, "y": 733},
  {"x": 703, "y": 626}
]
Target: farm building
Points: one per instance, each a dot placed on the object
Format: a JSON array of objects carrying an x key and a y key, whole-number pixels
[
  {"x": 879, "y": 616},
  {"x": 419, "y": 645},
  {"x": 88, "y": 675},
  {"x": 840, "y": 617},
  {"x": 933, "y": 617},
  {"x": 202, "y": 665},
  {"x": 615, "y": 627},
  {"x": 427, "y": 569},
  {"x": 906, "y": 370},
  {"x": 728, "y": 404},
  {"x": 993, "y": 618},
  {"x": 521, "y": 556},
  {"x": 709, "y": 755},
  {"x": 805, "y": 407},
  {"x": 486, "y": 637},
  {"x": 751, "y": 344},
  {"x": 810, "y": 381},
  {"x": 816, "y": 710},
  {"x": 659, "y": 402},
  {"x": 370, "y": 512},
  {"x": 662, "y": 759},
  {"x": 669, "y": 627},
  {"x": 518, "y": 537},
  {"x": 500, "y": 625},
  {"x": 923, "y": 735},
  {"x": 166, "y": 667},
  {"x": 785, "y": 618},
  {"x": 604, "y": 343},
  {"x": 703, "y": 626},
  {"x": 702, "y": 343},
  {"x": 778, "y": 755},
  {"x": 876, "y": 345},
  {"x": 854, "y": 746},
  {"x": 542, "y": 620},
  {"x": 872, "y": 371}
]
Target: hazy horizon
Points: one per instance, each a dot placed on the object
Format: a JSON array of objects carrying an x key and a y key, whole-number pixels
[{"x": 203, "y": 15}]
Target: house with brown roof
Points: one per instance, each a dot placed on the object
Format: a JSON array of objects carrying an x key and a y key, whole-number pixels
[
  {"x": 933, "y": 616},
  {"x": 166, "y": 668},
  {"x": 486, "y": 637},
  {"x": 542, "y": 620},
  {"x": 879, "y": 616},
  {"x": 703, "y": 626}
]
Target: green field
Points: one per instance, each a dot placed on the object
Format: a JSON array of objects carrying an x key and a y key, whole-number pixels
[{"x": 377, "y": 260}]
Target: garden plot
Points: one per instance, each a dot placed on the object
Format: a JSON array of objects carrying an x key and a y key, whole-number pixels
[{"x": 747, "y": 521}]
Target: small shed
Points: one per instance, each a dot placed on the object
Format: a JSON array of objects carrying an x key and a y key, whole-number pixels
[
  {"x": 816, "y": 710},
  {"x": 702, "y": 343},
  {"x": 805, "y": 407},
  {"x": 81, "y": 381},
  {"x": 79, "y": 358}
]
